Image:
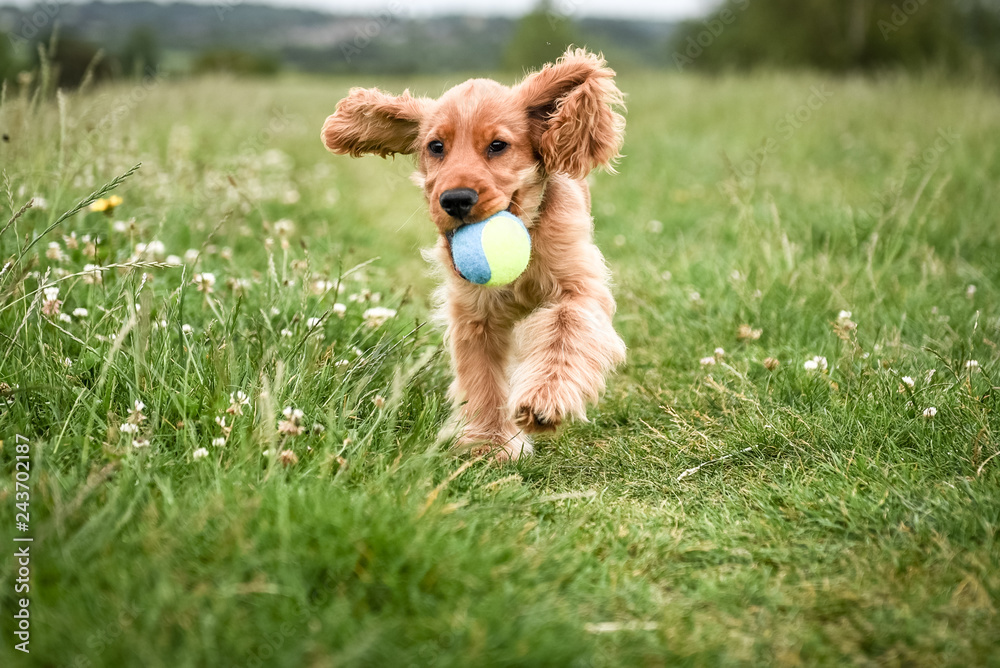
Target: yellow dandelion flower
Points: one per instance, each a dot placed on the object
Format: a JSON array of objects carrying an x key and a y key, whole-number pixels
[{"x": 106, "y": 205}]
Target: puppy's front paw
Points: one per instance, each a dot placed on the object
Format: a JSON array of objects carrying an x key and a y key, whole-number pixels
[
  {"x": 546, "y": 406},
  {"x": 498, "y": 447},
  {"x": 533, "y": 420}
]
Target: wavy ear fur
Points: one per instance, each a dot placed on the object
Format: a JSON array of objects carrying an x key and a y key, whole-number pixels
[
  {"x": 572, "y": 105},
  {"x": 370, "y": 121}
]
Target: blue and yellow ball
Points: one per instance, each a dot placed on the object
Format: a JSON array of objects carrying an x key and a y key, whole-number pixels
[{"x": 491, "y": 252}]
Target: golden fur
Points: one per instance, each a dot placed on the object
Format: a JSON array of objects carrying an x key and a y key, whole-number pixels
[{"x": 532, "y": 354}]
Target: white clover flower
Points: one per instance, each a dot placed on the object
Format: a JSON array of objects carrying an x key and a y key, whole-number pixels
[
  {"x": 291, "y": 425},
  {"x": 237, "y": 400},
  {"x": 218, "y": 442},
  {"x": 720, "y": 352},
  {"x": 339, "y": 309},
  {"x": 154, "y": 248},
  {"x": 191, "y": 255},
  {"x": 377, "y": 315},
  {"x": 972, "y": 365},
  {"x": 140, "y": 443},
  {"x": 312, "y": 322},
  {"x": 51, "y": 303},
  {"x": 204, "y": 281},
  {"x": 930, "y": 412},
  {"x": 844, "y": 315},
  {"x": 186, "y": 328},
  {"x": 970, "y": 291},
  {"x": 128, "y": 428},
  {"x": 80, "y": 313},
  {"x": 379, "y": 401},
  {"x": 707, "y": 361},
  {"x": 64, "y": 317},
  {"x": 284, "y": 227},
  {"x": 321, "y": 286},
  {"x": 200, "y": 453},
  {"x": 909, "y": 382},
  {"x": 746, "y": 332},
  {"x": 92, "y": 274},
  {"x": 694, "y": 296},
  {"x": 55, "y": 252},
  {"x": 174, "y": 260},
  {"x": 287, "y": 333},
  {"x": 817, "y": 363},
  {"x": 135, "y": 416},
  {"x": 40, "y": 203}
]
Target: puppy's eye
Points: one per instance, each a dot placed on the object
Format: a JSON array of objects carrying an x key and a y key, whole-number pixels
[
  {"x": 497, "y": 147},
  {"x": 436, "y": 147}
]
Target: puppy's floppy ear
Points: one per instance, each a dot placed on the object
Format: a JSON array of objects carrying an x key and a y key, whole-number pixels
[
  {"x": 571, "y": 106},
  {"x": 370, "y": 121}
]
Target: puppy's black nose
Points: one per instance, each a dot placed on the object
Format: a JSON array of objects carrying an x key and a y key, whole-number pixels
[{"x": 458, "y": 202}]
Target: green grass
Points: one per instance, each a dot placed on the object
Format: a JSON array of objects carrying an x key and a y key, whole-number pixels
[{"x": 846, "y": 527}]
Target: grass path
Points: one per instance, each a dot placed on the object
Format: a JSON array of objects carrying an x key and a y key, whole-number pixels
[{"x": 808, "y": 281}]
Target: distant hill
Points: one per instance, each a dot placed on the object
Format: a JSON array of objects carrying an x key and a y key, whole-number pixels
[{"x": 316, "y": 41}]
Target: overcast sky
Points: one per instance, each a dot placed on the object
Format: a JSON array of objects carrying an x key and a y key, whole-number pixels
[
  {"x": 650, "y": 9},
  {"x": 660, "y": 9}
]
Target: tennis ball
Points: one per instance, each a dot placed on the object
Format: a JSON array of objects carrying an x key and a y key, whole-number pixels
[{"x": 492, "y": 252}]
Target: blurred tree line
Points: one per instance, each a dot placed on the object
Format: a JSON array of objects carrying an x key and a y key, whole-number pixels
[
  {"x": 72, "y": 59},
  {"x": 843, "y": 35},
  {"x": 134, "y": 38}
]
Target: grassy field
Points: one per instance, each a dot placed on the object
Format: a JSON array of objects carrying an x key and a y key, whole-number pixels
[{"x": 849, "y": 504}]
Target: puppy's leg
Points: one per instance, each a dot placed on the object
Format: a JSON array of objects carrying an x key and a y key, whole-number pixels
[
  {"x": 480, "y": 349},
  {"x": 566, "y": 351}
]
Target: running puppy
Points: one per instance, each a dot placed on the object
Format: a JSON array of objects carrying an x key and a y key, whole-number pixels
[{"x": 529, "y": 355}]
